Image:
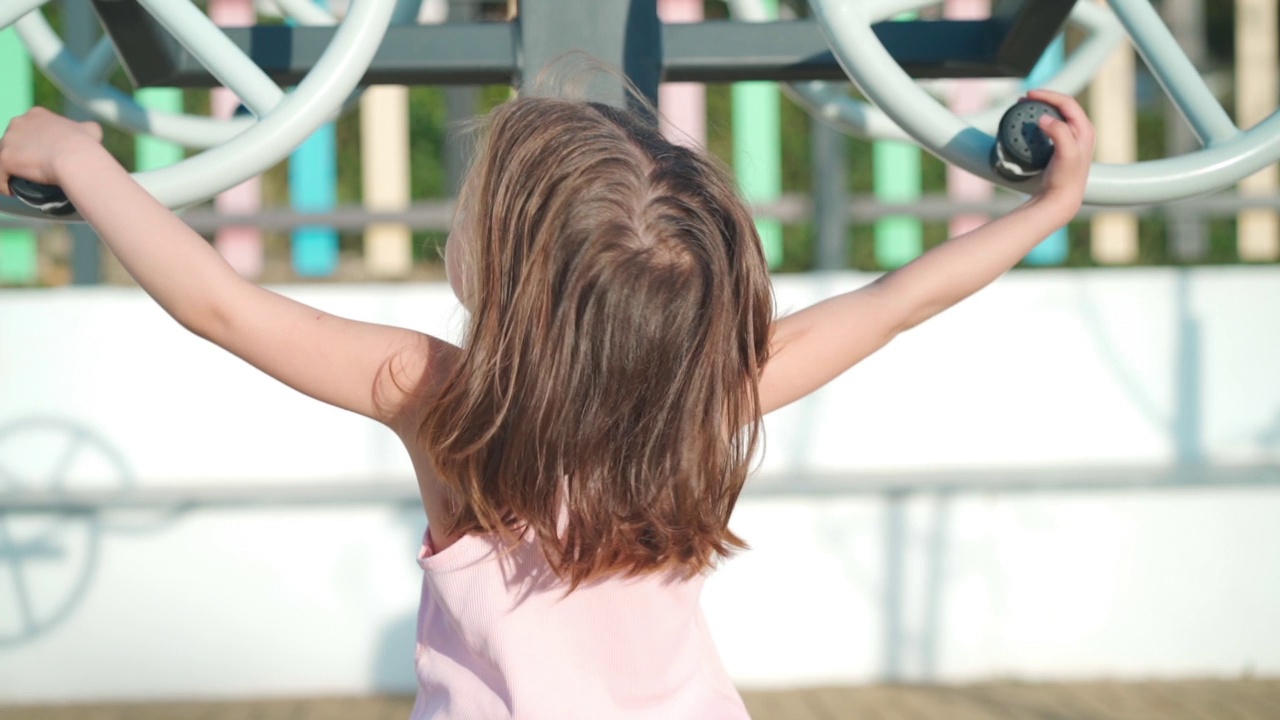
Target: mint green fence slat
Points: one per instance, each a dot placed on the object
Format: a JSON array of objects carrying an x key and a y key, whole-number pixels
[
  {"x": 899, "y": 238},
  {"x": 757, "y": 149},
  {"x": 896, "y": 178},
  {"x": 19, "y": 260},
  {"x": 152, "y": 153}
]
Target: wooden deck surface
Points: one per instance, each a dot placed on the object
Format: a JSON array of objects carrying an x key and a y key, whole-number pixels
[{"x": 1254, "y": 699}]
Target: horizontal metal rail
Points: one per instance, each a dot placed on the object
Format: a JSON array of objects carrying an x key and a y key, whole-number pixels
[
  {"x": 403, "y": 490},
  {"x": 437, "y": 215},
  {"x": 712, "y": 51}
]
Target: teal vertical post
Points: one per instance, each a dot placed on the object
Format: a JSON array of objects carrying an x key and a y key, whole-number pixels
[
  {"x": 896, "y": 178},
  {"x": 150, "y": 153},
  {"x": 19, "y": 259},
  {"x": 1053, "y": 249},
  {"x": 313, "y": 188},
  {"x": 757, "y": 149},
  {"x": 313, "y": 183}
]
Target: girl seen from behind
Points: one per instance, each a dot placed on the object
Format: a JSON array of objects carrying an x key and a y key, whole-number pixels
[{"x": 580, "y": 454}]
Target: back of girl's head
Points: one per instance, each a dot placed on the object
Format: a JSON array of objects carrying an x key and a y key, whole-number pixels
[{"x": 606, "y": 397}]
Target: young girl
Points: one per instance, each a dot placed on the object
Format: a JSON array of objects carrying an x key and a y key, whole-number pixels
[{"x": 580, "y": 455}]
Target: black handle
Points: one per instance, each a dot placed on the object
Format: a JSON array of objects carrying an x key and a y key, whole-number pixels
[
  {"x": 48, "y": 199},
  {"x": 1022, "y": 148}
]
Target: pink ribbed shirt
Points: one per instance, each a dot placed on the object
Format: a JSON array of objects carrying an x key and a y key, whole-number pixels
[{"x": 498, "y": 638}]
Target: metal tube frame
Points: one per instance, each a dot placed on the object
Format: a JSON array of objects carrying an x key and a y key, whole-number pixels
[
  {"x": 940, "y": 132},
  {"x": 316, "y": 100}
]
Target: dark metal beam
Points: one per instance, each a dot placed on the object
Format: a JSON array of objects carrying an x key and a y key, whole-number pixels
[
  {"x": 624, "y": 34},
  {"x": 727, "y": 51},
  {"x": 944, "y": 48},
  {"x": 146, "y": 50},
  {"x": 1027, "y": 28},
  {"x": 715, "y": 51},
  {"x": 451, "y": 54}
]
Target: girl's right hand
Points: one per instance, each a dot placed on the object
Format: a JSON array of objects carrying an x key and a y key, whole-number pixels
[
  {"x": 37, "y": 143},
  {"x": 1073, "y": 138}
]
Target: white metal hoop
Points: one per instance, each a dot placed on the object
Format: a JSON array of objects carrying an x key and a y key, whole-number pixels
[
  {"x": 831, "y": 102},
  {"x": 84, "y": 80},
  {"x": 1229, "y": 154},
  {"x": 284, "y": 126}
]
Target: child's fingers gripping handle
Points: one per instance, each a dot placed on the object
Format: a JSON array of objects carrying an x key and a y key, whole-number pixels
[
  {"x": 1022, "y": 148},
  {"x": 1066, "y": 147},
  {"x": 1068, "y": 171},
  {"x": 1072, "y": 112},
  {"x": 28, "y": 150}
]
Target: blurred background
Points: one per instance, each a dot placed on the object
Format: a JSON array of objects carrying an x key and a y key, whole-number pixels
[{"x": 1060, "y": 499}]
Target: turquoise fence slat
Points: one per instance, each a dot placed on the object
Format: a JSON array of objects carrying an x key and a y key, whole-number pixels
[
  {"x": 19, "y": 256},
  {"x": 313, "y": 188},
  {"x": 313, "y": 183},
  {"x": 1053, "y": 249}
]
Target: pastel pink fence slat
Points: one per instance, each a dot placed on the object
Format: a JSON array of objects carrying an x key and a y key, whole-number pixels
[
  {"x": 240, "y": 245},
  {"x": 683, "y": 106},
  {"x": 966, "y": 97}
]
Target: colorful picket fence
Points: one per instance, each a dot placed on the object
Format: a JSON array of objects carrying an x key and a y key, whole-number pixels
[{"x": 757, "y": 156}]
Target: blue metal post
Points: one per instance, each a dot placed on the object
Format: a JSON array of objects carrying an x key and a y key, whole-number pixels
[
  {"x": 1053, "y": 249},
  {"x": 313, "y": 188}
]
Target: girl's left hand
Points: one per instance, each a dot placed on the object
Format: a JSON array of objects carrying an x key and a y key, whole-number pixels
[
  {"x": 37, "y": 141},
  {"x": 1065, "y": 178}
]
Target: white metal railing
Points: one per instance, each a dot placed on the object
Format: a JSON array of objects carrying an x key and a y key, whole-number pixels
[{"x": 403, "y": 489}]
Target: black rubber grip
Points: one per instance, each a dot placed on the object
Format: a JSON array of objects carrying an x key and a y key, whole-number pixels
[
  {"x": 1023, "y": 149},
  {"x": 48, "y": 199}
]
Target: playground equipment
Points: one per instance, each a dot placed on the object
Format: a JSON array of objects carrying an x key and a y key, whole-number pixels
[
  {"x": 84, "y": 80},
  {"x": 1228, "y": 153},
  {"x": 831, "y": 101},
  {"x": 882, "y": 59},
  {"x": 284, "y": 118}
]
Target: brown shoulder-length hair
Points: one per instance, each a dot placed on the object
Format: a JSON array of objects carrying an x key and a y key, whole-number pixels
[{"x": 606, "y": 396}]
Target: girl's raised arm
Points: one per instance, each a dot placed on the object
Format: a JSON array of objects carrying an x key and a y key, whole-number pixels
[
  {"x": 369, "y": 369},
  {"x": 813, "y": 346}
]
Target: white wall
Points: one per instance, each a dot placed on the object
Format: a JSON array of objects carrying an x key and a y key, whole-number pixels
[{"x": 1140, "y": 385}]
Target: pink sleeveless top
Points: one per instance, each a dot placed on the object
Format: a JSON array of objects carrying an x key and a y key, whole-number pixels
[{"x": 498, "y": 638}]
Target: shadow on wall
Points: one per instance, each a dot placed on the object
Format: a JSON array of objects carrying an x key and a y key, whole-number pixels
[
  {"x": 393, "y": 663},
  {"x": 1270, "y": 436},
  {"x": 911, "y": 631},
  {"x": 902, "y": 653},
  {"x": 51, "y": 556}
]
